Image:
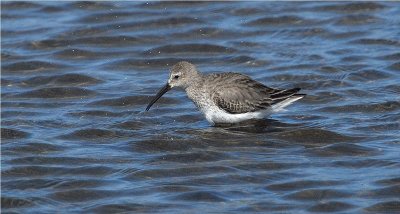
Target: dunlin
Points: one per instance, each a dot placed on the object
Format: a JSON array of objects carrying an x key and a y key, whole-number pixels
[{"x": 227, "y": 97}]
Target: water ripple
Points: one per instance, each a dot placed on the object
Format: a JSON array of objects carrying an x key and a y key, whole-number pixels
[{"x": 75, "y": 137}]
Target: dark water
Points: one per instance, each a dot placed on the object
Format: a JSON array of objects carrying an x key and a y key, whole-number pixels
[{"x": 77, "y": 76}]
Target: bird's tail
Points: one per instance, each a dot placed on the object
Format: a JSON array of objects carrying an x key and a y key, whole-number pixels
[{"x": 283, "y": 98}]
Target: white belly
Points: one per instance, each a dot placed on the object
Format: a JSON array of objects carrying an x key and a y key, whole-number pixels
[{"x": 215, "y": 115}]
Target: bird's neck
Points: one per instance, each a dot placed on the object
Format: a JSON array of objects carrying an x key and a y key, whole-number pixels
[
  {"x": 196, "y": 92},
  {"x": 196, "y": 81}
]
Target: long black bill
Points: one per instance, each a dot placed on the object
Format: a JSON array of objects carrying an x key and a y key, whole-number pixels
[{"x": 162, "y": 91}]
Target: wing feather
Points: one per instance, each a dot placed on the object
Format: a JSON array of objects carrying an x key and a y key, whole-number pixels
[{"x": 237, "y": 93}]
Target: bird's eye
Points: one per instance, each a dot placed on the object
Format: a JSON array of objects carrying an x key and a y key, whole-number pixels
[{"x": 176, "y": 76}]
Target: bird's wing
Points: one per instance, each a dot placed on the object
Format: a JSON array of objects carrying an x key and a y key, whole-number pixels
[{"x": 237, "y": 93}]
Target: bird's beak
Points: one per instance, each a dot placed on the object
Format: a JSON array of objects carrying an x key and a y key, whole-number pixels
[{"x": 161, "y": 92}]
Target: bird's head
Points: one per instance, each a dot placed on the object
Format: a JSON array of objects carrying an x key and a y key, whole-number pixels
[
  {"x": 182, "y": 73},
  {"x": 181, "y": 76}
]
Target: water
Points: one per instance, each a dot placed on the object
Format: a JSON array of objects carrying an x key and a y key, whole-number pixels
[{"x": 76, "y": 78}]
